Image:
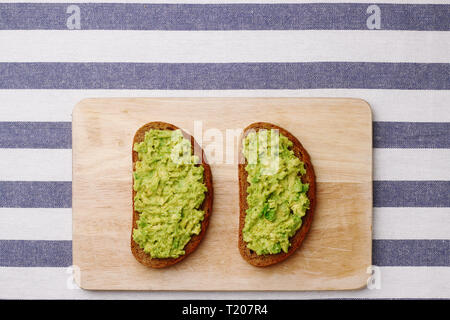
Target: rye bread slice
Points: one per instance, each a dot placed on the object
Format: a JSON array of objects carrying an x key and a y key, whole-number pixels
[
  {"x": 296, "y": 240},
  {"x": 195, "y": 240}
]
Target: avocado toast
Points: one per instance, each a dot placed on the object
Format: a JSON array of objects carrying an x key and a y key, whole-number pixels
[
  {"x": 276, "y": 208},
  {"x": 172, "y": 201}
]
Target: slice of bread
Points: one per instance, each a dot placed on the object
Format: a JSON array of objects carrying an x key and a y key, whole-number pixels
[
  {"x": 206, "y": 206},
  {"x": 296, "y": 240}
]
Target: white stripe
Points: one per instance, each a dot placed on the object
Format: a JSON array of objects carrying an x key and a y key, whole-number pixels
[
  {"x": 411, "y": 164},
  {"x": 35, "y": 165},
  {"x": 54, "y": 283},
  {"x": 223, "y": 46},
  {"x": 389, "y": 164},
  {"x": 388, "y": 223},
  {"x": 35, "y": 224},
  {"x": 411, "y": 223},
  {"x": 387, "y": 105}
]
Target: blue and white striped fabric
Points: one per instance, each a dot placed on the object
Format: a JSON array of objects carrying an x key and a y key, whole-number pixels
[{"x": 395, "y": 56}]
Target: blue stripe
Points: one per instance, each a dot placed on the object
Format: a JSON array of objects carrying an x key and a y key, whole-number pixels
[
  {"x": 50, "y": 194},
  {"x": 36, "y": 135},
  {"x": 223, "y": 76},
  {"x": 58, "y": 135},
  {"x": 26, "y": 253},
  {"x": 411, "y": 193},
  {"x": 305, "y": 16},
  {"x": 411, "y": 134},
  {"x": 35, "y": 253},
  {"x": 35, "y": 194},
  {"x": 432, "y": 253}
]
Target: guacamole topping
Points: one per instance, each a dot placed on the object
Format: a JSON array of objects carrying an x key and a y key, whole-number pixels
[
  {"x": 169, "y": 192},
  {"x": 277, "y": 198}
]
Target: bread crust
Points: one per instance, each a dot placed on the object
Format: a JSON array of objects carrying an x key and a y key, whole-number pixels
[
  {"x": 195, "y": 240},
  {"x": 297, "y": 239}
]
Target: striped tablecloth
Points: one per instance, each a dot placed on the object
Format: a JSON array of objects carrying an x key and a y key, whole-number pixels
[{"x": 395, "y": 56}]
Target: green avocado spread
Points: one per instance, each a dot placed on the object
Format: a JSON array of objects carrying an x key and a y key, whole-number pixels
[
  {"x": 169, "y": 192},
  {"x": 276, "y": 197}
]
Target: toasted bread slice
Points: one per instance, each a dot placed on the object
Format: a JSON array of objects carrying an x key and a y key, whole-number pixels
[
  {"x": 296, "y": 240},
  {"x": 195, "y": 240}
]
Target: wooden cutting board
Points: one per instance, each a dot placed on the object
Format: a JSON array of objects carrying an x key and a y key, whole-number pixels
[{"x": 335, "y": 255}]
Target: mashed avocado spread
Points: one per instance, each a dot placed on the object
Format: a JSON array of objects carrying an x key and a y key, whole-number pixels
[
  {"x": 169, "y": 192},
  {"x": 276, "y": 196}
]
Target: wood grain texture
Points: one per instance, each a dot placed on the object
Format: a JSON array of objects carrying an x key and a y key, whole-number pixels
[{"x": 338, "y": 136}]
